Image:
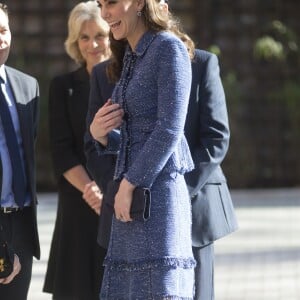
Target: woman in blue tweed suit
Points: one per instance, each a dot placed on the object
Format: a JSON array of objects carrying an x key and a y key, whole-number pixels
[{"x": 151, "y": 259}]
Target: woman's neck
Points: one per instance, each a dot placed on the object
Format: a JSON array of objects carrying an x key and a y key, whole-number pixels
[{"x": 134, "y": 38}]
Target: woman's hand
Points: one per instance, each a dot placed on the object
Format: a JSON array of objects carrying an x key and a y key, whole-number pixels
[
  {"x": 16, "y": 270},
  {"x": 93, "y": 196},
  {"x": 107, "y": 118},
  {"x": 123, "y": 200}
]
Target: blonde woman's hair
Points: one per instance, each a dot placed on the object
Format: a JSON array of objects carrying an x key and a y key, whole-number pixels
[
  {"x": 156, "y": 19},
  {"x": 82, "y": 12}
]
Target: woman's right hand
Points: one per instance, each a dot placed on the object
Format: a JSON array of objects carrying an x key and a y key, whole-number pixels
[{"x": 107, "y": 118}]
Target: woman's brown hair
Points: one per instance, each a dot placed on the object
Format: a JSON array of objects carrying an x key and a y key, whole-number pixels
[{"x": 156, "y": 19}]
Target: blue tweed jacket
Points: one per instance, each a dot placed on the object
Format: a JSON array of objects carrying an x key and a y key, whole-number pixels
[{"x": 154, "y": 91}]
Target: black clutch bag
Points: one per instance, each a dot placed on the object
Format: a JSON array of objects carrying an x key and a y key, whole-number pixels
[
  {"x": 141, "y": 201},
  {"x": 140, "y": 209},
  {"x": 6, "y": 260}
]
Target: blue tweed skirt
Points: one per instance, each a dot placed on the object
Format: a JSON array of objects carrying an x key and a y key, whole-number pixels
[{"x": 153, "y": 260}]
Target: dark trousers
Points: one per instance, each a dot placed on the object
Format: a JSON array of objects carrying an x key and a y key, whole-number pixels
[
  {"x": 18, "y": 232},
  {"x": 204, "y": 272}
]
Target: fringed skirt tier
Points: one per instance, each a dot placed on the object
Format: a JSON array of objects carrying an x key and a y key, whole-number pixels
[{"x": 153, "y": 260}]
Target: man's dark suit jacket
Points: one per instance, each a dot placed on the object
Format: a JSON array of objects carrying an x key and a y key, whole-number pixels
[
  {"x": 100, "y": 91},
  {"x": 26, "y": 93},
  {"x": 207, "y": 133}
]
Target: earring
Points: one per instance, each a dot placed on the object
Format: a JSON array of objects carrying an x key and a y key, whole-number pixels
[{"x": 139, "y": 13}]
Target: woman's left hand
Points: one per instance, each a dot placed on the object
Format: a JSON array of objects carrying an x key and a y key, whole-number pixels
[{"x": 123, "y": 200}]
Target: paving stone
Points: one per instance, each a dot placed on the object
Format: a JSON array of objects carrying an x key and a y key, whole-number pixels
[{"x": 261, "y": 261}]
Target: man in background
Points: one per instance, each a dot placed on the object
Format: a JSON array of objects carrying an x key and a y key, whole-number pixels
[{"x": 19, "y": 96}]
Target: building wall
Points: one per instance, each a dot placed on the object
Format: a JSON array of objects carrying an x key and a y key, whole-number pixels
[
  {"x": 263, "y": 97},
  {"x": 265, "y": 135}
]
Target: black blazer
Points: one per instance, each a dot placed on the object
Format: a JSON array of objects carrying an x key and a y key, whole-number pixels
[
  {"x": 67, "y": 121},
  {"x": 26, "y": 93}
]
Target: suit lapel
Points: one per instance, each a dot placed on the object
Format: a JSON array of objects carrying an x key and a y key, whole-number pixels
[
  {"x": 16, "y": 89},
  {"x": 15, "y": 85},
  {"x": 21, "y": 107}
]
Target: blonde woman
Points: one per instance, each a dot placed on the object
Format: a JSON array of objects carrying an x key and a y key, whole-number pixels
[{"x": 75, "y": 261}]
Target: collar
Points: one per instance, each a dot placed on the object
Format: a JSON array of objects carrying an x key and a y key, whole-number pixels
[
  {"x": 143, "y": 43},
  {"x": 3, "y": 75},
  {"x": 81, "y": 74}
]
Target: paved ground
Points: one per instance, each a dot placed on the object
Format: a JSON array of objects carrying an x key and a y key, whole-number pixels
[{"x": 261, "y": 261}]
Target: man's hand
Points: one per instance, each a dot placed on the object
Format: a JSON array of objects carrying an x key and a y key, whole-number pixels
[
  {"x": 93, "y": 196},
  {"x": 16, "y": 270}
]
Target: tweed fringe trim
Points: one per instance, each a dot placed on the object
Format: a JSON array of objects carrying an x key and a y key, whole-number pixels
[
  {"x": 152, "y": 298},
  {"x": 172, "y": 298},
  {"x": 172, "y": 262}
]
